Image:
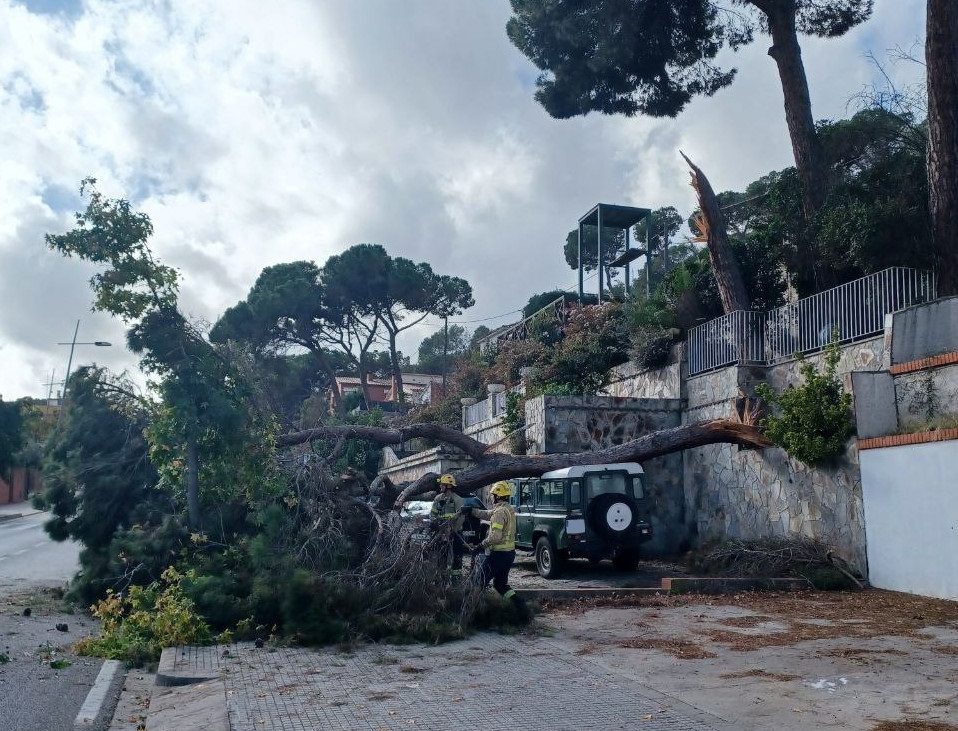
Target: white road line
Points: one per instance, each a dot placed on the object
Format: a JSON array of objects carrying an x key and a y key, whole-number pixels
[
  {"x": 41, "y": 543},
  {"x": 22, "y": 550}
]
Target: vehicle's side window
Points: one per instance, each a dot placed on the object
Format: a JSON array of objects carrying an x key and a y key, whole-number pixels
[
  {"x": 551, "y": 494},
  {"x": 525, "y": 494},
  {"x": 575, "y": 493}
]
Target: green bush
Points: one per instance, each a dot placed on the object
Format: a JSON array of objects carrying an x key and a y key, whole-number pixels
[
  {"x": 812, "y": 422},
  {"x": 139, "y": 624}
]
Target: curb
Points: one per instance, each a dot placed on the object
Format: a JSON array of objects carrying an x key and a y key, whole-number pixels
[
  {"x": 97, "y": 710},
  {"x": 10, "y": 516},
  {"x": 167, "y": 676},
  {"x": 673, "y": 585},
  {"x": 588, "y": 592},
  {"x": 730, "y": 585}
]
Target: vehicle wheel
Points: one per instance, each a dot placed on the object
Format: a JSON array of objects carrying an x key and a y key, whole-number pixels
[
  {"x": 548, "y": 559},
  {"x": 626, "y": 560}
]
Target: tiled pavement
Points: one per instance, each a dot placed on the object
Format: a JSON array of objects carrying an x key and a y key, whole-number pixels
[{"x": 488, "y": 681}]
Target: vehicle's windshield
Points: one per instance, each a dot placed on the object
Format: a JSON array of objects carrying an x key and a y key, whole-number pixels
[{"x": 615, "y": 482}]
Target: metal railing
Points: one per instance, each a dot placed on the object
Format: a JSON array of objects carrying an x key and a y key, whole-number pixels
[
  {"x": 738, "y": 337},
  {"x": 488, "y": 409},
  {"x": 556, "y": 312},
  {"x": 849, "y": 312}
]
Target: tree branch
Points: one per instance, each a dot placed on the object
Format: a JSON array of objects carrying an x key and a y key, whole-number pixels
[{"x": 381, "y": 435}]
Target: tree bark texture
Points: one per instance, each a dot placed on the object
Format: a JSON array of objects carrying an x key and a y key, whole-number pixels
[
  {"x": 192, "y": 477},
  {"x": 398, "y": 393},
  {"x": 728, "y": 274},
  {"x": 941, "y": 57},
  {"x": 492, "y": 466},
  {"x": 806, "y": 146}
]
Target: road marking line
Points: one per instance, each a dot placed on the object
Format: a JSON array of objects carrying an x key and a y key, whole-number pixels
[
  {"x": 41, "y": 543},
  {"x": 22, "y": 550}
]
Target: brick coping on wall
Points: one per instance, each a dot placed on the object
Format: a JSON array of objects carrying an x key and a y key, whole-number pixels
[
  {"x": 935, "y": 361},
  {"x": 901, "y": 440}
]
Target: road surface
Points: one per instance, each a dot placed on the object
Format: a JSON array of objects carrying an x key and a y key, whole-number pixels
[
  {"x": 36, "y": 695},
  {"x": 28, "y": 558}
]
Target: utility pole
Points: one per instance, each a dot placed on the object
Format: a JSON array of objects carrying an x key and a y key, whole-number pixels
[
  {"x": 445, "y": 352},
  {"x": 66, "y": 380}
]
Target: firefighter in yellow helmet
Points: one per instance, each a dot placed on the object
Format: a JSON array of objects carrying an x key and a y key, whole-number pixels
[
  {"x": 446, "y": 515},
  {"x": 500, "y": 543}
]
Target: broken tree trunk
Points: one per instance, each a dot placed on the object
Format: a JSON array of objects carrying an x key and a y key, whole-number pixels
[
  {"x": 713, "y": 231},
  {"x": 492, "y": 466}
]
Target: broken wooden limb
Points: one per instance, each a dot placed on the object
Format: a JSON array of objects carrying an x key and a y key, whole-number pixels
[
  {"x": 385, "y": 436},
  {"x": 491, "y": 467}
]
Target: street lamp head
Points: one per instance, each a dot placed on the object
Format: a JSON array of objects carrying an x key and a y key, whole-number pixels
[{"x": 102, "y": 344}]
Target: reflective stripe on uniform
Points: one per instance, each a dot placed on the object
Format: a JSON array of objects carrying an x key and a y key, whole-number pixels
[
  {"x": 503, "y": 512},
  {"x": 509, "y": 594}
]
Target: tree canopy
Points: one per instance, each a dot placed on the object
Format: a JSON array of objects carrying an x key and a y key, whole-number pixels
[
  {"x": 433, "y": 354},
  {"x": 11, "y": 433}
]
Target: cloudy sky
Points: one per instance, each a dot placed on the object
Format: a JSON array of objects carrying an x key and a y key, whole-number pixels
[{"x": 255, "y": 133}]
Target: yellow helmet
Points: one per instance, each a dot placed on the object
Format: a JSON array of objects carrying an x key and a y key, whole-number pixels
[
  {"x": 447, "y": 479},
  {"x": 502, "y": 489}
]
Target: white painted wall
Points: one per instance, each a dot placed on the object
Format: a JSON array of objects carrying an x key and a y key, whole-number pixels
[{"x": 911, "y": 517}]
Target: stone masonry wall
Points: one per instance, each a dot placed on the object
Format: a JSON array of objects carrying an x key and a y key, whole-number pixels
[
  {"x": 586, "y": 423},
  {"x": 751, "y": 494},
  {"x": 630, "y": 381}
]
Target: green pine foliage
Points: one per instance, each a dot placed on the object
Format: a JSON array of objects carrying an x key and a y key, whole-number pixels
[{"x": 812, "y": 422}]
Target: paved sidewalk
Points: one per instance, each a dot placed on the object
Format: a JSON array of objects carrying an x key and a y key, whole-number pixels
[{"x": 488, "y": 680}]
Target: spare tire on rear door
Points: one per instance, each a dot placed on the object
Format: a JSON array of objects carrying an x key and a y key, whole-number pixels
[{"x": 612, "y": 515}]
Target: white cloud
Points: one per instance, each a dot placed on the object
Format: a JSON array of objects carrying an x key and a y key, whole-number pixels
[{"x": 253, "y": 137}]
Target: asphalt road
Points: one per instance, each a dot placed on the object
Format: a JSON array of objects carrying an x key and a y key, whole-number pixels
[
  {"x": 36, "y": 695},
  {"x": 29, "y": 559}
]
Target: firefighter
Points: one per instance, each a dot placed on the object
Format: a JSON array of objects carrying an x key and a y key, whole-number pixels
[
  {"x": 500, "y": 543},
  {"x": 445, "y": 514}
]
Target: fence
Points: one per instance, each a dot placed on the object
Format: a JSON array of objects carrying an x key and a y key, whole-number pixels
[
  {"x": 738, "y": 337},
  {"x": 852, "y": 311},
  {"x": 488, "y": 409},
  {"x": 554, "y": 313}
]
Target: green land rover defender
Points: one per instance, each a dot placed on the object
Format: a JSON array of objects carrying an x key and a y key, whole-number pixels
[{"x": 592, "y": 512}]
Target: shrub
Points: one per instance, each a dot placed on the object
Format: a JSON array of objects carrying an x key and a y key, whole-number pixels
[
  {"x": 596, "y": 339},
  {"x": 139, "y": 624},
  {"x": 813, "y": 421}
]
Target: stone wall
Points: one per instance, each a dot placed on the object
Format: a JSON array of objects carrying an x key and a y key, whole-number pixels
[
  {"x": 631, "y": 381},
  {"x": 586, "y": 423},
  {"x": 751, "y": 494},
  {"x": 403, "y": 470}
]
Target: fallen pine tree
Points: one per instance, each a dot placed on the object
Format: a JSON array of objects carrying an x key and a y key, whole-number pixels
[{"x": 491, "y": 466}]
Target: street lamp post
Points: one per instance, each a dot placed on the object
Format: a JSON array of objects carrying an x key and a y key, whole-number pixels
[{"x": 73, "y": 344}]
